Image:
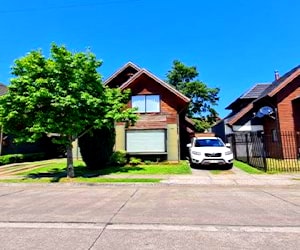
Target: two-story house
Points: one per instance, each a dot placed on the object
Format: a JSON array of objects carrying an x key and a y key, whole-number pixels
[{"x": 162, "y": 130}]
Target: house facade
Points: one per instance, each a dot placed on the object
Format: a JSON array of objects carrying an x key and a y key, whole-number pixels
[
  {"x": 275, "y": 112},
  {"x": 247, "y": 123},
  {"x": 162, "y": 130},
  {"x": 283, "y": 125}
]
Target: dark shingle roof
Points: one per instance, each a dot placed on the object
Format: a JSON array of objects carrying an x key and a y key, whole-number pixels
[
  {"x": 250, "y": 95},
  {"x": 3, "y": 89},
  {"x": 271, "y": 90},
  {"x": 255, "y": 91}
]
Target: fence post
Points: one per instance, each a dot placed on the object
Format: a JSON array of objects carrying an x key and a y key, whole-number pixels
[
  {"x": 233, "y": 146},
  {"x": 264, "y": 150},
  {"x": 247, "y": 149}
]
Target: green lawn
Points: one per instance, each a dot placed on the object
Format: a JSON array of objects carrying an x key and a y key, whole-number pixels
[
  {"x": 247, "y": 168},
  {"x": 55, "y": 171}
]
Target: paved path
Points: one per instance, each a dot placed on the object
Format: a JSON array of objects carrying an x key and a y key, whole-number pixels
[{"x": 233, "y": 177}]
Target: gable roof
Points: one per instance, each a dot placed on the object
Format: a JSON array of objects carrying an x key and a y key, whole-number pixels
[
  {"x": 279, "y": 84},
  {"x": 253, "y": 93},
  {"x": 162, "y": 83},
  {"x": 233, "y": 119},
  {"x": 120, "y": 70},
  {"x": 270, "y": 91},
  {"x": 3, "y": 89}
]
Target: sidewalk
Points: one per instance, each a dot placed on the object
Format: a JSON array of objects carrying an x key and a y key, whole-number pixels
[{"x": 233, "y": 177}]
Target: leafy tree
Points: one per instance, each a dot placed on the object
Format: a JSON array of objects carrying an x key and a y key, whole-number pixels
[
  {"x": 61, "y": 94},
  {"x": 203, "y": 98}
]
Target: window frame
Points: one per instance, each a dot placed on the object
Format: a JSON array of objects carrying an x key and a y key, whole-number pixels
[{"x": 144, "y": 111}]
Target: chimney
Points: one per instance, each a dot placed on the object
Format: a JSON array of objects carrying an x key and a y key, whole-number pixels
[{"x": 277, "y": 76}]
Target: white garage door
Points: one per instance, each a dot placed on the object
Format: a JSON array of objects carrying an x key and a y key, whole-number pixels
[{"x": 145, "y": 141}]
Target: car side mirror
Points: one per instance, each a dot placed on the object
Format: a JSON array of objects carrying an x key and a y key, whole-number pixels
[
  {"x": 189, "y": 145},
  {"x": 228, "y": 145}
]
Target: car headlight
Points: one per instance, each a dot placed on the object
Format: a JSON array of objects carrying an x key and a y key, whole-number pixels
[
  {"x": 196, "y": 153},
  {"x": 228, "y": 152}
]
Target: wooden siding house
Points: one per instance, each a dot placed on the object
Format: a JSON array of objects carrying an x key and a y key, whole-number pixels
[
  {"x": 232, "y": 123},
  {"x": 282, "y": 126},
  {"x": 162, "y": 130}
]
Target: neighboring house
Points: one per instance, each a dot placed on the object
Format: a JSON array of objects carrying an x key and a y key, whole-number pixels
[
  {"x": 278, "y": 109},
  {"x": 3, "y": 89},
  {"x": 283, "y": 125},
  {"x": 43, "y": 145},
  {"x": 162, "y": 130},
  {"x": 247, "y": 123}
]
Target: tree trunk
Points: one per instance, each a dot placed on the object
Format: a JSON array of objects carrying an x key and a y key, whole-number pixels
[
  {"x": 70, "y": 166},
  {"x": 1, "y": 140}
]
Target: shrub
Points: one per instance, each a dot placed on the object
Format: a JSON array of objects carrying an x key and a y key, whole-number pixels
[
  {"x": 147, "y": 162},
  {"x": 135, "y": 161},
  {"x": 118, "y": 158},
  {"x": 15, "y": 158},
  {"x": 96, "y": 147}
]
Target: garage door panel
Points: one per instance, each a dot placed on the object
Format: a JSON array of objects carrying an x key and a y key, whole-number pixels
[{"x": 145, "y": 141}]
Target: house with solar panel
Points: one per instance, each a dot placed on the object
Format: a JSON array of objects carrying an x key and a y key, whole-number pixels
[
  {"x": 274, "y": 110},
  {"x": 248, "y": 122}
]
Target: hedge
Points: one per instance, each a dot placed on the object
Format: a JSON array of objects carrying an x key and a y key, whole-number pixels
[{"x": 15, "y": 158}]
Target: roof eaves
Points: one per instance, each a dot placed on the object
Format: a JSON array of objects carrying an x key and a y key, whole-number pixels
[
  {"x": 277, "y": 85},
  {"x": 240, "y": 114},
  {"x": 114, "y": 75},
  {"x": 286, "y": 80},
  {"x": 190, "y": 121},
  {"x": 164, "y": 84}
]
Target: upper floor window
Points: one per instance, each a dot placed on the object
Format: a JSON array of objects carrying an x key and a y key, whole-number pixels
[{"x": 146, "y": 103}]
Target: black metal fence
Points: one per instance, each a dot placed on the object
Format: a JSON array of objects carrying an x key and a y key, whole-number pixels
[{"x": 268, "y": 152}]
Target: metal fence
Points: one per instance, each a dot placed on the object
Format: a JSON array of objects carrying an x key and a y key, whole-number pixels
[{"x": 268, "y": 152}]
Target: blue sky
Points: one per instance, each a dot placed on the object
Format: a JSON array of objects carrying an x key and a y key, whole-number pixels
[{"x": 233, "y": 43}]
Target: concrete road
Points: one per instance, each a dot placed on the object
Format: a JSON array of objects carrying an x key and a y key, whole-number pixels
[{"x": 150, "y": 216}]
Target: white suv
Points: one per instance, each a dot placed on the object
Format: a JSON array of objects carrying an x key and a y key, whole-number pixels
[{"x": 210, "y": 151}]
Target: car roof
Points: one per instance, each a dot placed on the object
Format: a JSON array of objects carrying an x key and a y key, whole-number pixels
[{"x": 207, "y": 137}]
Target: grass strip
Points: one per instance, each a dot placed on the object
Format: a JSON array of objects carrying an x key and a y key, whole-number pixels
[{"x": 247, "y": 168}]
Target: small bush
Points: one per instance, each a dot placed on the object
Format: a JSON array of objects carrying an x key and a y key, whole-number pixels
[
  {"x": 135, "y": 161},
  {"x": 16, "y": 158},
  {"x": 118, "y": 158},
  {"x": 147, "y": 162}
]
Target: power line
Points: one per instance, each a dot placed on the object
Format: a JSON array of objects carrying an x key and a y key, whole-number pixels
[{"x": 69, "y": 6}]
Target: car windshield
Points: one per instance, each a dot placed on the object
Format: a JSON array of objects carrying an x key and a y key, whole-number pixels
[{"x": 208, "y": 143}]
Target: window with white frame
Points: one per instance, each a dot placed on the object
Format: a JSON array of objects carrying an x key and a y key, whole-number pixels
[{"x": 146, "y": 103}]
